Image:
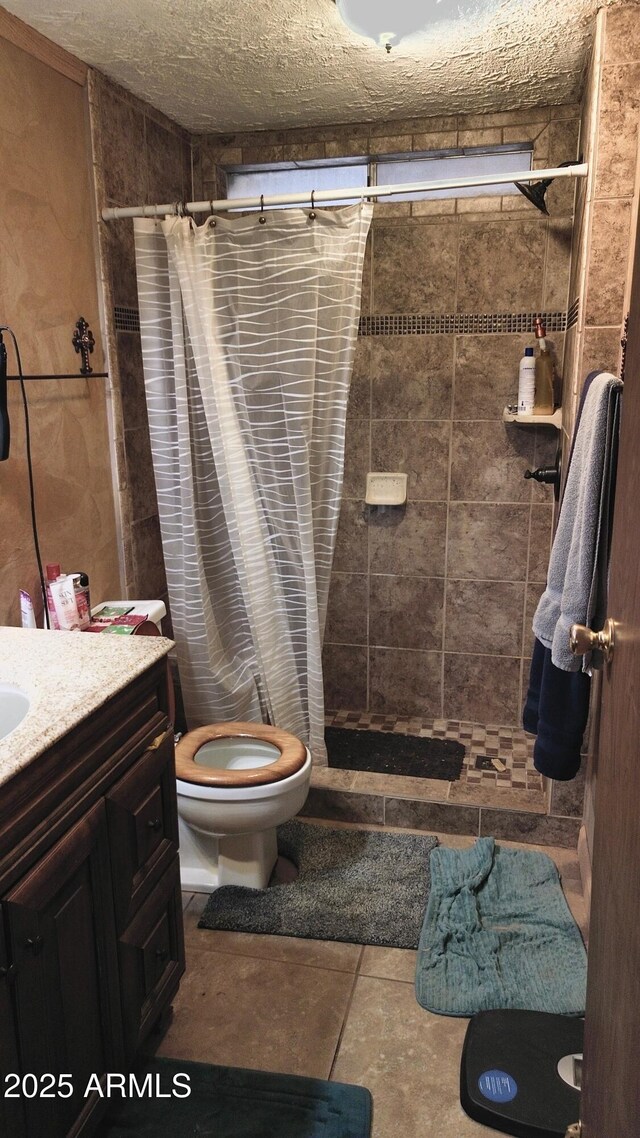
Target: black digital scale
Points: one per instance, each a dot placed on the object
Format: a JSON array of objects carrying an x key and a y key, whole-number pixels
[{"x": 521, "y": 1072}]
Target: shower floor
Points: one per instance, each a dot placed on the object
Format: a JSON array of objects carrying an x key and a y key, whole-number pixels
[{"x": 499, "y": 792}]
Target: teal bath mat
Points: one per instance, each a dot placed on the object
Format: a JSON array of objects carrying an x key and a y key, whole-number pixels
[
  {"x": 229, "y": 1102},
  {"x": 498, "y": 933}
]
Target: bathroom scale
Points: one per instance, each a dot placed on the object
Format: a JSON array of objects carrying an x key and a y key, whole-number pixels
[{"x": 521, "y": 1072}]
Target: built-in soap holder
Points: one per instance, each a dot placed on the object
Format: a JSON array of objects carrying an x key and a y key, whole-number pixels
[{"x": 386, "y": 489}]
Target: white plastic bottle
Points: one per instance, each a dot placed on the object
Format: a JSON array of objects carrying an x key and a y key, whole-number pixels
[{"x": 526, "y": 383}]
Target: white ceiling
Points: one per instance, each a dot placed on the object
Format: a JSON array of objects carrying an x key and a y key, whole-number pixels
[{"x": 224, "y": 65}]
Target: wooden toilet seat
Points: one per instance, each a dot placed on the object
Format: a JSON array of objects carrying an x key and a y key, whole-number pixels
[{"x": 292, "y": 755}]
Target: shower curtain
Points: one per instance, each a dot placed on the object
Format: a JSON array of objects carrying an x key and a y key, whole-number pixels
[{"x": 248, "y": 333}]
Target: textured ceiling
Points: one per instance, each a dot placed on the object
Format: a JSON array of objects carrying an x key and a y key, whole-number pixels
[{"x": 223, "y": 65}]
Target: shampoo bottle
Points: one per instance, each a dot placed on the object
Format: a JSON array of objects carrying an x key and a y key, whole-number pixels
[
  {"x": 64, "y": 601},
  {"x": 543, "y": 404},
  {"x": 52, "y": 572},
  {"x": 526, "y": 383}
]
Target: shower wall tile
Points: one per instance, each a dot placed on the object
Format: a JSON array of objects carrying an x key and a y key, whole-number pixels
[
  {"x": 488, "y": 461},
  {"x": 412, "y": 376},
  {"x": 622, "y": 38},
  {"x": 404, "y": 682},
  {"x": 485, "y": 614},
  {"x": 501, "y": 266},
  {"x": 351, "y": 541},
  {"x": 134, "y": 407},
  {"x": 414, "y": 268},
  {"x": 409, "y": 540},
  {"x": 539, "y": 542},
  {"x": 483, "y": 689},
  {"x": 345, "y": 671},
  {"x": 356, "y": 457},
  {"x": 347, "y": 611},
  {"x": 608, "y": 255},
  {"x": 601, "y": 349},
  {"x": 487, "y": 373},
  {"x": 406, "y": 612},
  {"x": 420, "y": 450},
  {"x": 143, "y": 502},
  {"x": 487, "y": 541},
  {"x": 557, "y": 265},
  {"x": 618, "y": 129}
]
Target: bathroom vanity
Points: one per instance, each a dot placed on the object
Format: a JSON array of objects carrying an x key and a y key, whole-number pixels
[{"x": 91, "y": 939}]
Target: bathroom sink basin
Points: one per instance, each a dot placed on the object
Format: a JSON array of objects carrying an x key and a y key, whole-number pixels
[{"x": 14, "y": 705}]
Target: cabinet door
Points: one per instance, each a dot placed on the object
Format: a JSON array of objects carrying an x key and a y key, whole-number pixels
[
  {"x": 62, "y": 940},
  {"x": 11, "y": 1113},
  {"x": 143, "y": 827},
  {"x": 151, "y": 954}
]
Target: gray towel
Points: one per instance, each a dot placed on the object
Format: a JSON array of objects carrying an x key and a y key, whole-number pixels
[{"x": 576, "y": 556}]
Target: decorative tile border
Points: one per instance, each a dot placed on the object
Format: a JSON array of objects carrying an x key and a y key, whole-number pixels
[
  {"x": 126, "y": 319},
  {"x": 460, "y": 322},
  {"x": 500, "y": 756}
]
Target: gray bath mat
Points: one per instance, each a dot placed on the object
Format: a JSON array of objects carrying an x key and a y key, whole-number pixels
[
  {"x": 363, "y": 886},
  {"x": 498, "y": 933}
]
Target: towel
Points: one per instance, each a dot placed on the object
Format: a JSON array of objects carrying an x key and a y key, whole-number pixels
[
  {"x": 577, "y": 567},
  {"x": 557, "y": 704}
]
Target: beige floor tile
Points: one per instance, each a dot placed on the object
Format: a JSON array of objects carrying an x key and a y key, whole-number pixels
[
  {"x": 389, "y": 963},
  {"x": 287, "y": 949},
  {"x": 402, "y": 786},
  {"x": 244, "y": 1012},
  {"x": 409, "y": 1060}
]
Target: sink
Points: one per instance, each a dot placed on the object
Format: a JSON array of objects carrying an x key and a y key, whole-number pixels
[{"x": 14, "y": 705}]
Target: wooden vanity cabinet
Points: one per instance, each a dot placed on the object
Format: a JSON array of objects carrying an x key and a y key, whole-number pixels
[{"x": 91, "y": 940}]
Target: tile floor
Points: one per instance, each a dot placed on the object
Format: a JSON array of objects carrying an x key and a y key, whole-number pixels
[{"x": 340, "y": 1011}]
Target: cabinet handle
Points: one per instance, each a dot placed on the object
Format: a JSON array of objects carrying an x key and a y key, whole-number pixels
[
  {"x": 9, "y": 973},
  {"x": 36, "y": 944},
  {"x": 159, "y": 739},
  {"x": 161, "y": 954},
  {"x": 155, "y": 824}
]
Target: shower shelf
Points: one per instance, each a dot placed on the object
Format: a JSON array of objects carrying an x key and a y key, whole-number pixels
[{"x": 554, "y": 420}]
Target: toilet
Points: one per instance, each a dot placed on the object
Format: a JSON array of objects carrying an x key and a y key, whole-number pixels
[{"x": 236, "y": 783}]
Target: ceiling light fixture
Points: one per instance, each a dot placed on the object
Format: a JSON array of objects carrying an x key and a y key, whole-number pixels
[{"x": 386, "y": 22}]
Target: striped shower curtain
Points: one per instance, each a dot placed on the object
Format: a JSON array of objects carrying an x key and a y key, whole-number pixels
[{"x": 248, "y": 334}]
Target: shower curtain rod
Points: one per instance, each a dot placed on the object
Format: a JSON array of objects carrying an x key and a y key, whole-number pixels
[{"x": 265, "y": 201}]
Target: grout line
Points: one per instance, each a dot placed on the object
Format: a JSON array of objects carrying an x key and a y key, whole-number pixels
[{"x": 346, "y": 1013}]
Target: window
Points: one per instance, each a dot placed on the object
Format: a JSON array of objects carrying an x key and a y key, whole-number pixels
[{"x": 393, "y": 169}]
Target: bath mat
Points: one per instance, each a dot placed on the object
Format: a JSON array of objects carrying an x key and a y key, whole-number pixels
[
  {"x": 362, "y": 886},
  {"x": 498, "y": 933},
  {"x": 386, "y": 752},
  {"x": 229, "y": 1102}
]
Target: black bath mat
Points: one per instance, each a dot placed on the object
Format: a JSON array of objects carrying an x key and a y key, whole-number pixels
[
  {"x": 385, "y": 752},
  {"x": 231, "y": 1102},
  {"x": 362, "y": 886}
]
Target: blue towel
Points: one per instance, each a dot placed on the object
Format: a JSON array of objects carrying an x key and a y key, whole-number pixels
[
  {"x": 557, "y": 703},
  {"x": 498, "y": 933}
]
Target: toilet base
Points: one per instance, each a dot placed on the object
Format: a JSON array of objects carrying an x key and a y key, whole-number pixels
[{"x": 208, "y": 862}]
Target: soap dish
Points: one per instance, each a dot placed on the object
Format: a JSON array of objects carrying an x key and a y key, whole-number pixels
[{"x": 386, "y": 489}]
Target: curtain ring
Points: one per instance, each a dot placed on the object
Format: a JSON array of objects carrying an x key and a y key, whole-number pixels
[
  {"x": 312, "y": 212},
  {"x": 262, "y": 219},
  {"x": 177, "y": 210},
  {"x": 212, "y": 218}
]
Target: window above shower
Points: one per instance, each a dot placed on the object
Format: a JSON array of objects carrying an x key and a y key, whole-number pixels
[{"x": 386, "y": 170}]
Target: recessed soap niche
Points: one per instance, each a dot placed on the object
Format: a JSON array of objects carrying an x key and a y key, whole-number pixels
[{"x": 387, "y": 488}]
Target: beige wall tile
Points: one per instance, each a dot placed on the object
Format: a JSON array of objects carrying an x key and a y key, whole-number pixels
[
  {"x": 487, "y": 614},
  {"x": 487, "y": 541},
  {"x": 618, "y": 130},
  {"x": 622, "y": 35},
  {"x": 489, "y": 137},
  {"x": 484, "y": 689},
  {"x": 405, "y": 682},
  {"x": 500, "y": 267},
  {"x": 436, "y": 140},
  {"x": 406, "y": 612},
  {"x": 488, "y": 460},
  {"x": 414, "y": 269},
  {"x": 608, "y": 253}
]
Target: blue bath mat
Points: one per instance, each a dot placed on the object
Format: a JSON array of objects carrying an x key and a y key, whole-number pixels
[
  {"x": 498, "y": 933},
  {"x": 230, "y": 1102}
]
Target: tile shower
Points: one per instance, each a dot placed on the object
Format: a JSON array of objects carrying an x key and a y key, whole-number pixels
[{"x": 430, "y": 606}]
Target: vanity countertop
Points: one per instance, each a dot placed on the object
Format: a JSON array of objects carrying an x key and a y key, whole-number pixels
[{"x": 66, "y": 675}]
